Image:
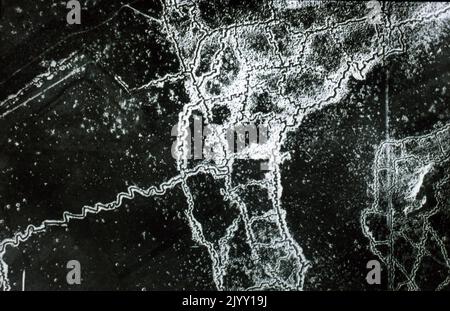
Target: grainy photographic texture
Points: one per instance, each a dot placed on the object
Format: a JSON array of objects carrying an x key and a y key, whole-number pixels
[{"x": 224, "y": 145}]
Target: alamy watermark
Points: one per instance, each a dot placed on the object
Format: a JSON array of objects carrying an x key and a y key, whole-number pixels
[
  {"x": 74, "y": 15},
  {"x": 374, "y": 275},
  {"x": 74, "y": 275},
  {"x": 213, "y": 142}
]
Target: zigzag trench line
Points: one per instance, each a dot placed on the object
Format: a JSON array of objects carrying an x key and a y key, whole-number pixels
[{"x": 130, "y": 194}]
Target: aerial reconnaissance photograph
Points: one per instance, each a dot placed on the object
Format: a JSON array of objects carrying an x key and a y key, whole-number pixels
[{"x": 198, "y": 145}]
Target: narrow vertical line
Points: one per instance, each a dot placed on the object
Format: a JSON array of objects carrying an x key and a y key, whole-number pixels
[
  {"x": 386, "y": 103},
  {"x": 23, "y": 280},
  {"x": 390, "y": 211}
]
